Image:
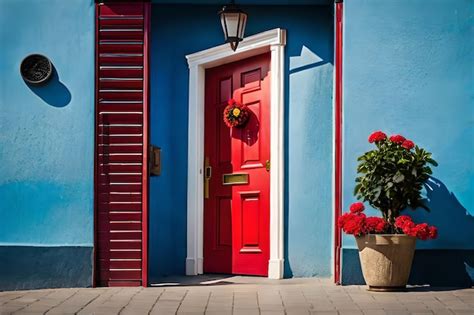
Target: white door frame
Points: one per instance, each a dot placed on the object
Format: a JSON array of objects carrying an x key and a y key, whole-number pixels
[{"x": 273, "y": 41}]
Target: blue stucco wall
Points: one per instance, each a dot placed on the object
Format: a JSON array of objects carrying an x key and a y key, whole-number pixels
[
  {"x": 308, "y": 129},
  {"x": 408, "y": 68},
  {"x": 46, "y": 139}
]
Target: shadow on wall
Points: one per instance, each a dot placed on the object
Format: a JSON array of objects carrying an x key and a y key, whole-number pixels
[
  {"x": 53, "y": 92},
  {"x": 456, "y": 228}
]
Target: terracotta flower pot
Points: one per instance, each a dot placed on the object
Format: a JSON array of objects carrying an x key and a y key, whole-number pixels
[{"x": 386, "y": 260}]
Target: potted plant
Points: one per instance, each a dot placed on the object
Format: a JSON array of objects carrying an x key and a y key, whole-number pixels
[{"x": 390, "y": 179}]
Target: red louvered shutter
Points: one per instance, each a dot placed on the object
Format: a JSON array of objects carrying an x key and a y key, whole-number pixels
[{"x": 121, "y": 170}]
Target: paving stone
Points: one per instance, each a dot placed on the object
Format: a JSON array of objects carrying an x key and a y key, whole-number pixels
[
  {"x": 442, "y": 312},
  {"x": 254, "y": 311},
  {"x": 241, "y": 295},
  {"x": 271, "y": 307},
  {"x": 350, "y": 312},
  {"x": 397, "y": 312},
  {"x": 297, "y": 311},
  {"x": 218, "y": 312},
  {"x": 271, "y": 312}
]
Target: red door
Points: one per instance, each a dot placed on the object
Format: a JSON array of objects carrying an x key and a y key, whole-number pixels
[{"x": 236, "y": 216}]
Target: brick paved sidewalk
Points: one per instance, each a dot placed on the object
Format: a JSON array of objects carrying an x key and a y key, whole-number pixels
[{"x": 238, "y": 295}]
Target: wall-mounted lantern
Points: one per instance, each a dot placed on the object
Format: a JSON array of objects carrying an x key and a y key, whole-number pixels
[
  {"x": 36, "y": 69},
  {"x": 233, "y": 21}
]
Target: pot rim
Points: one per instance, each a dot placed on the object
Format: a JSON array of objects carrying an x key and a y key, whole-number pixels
[{"x": 384, "y": 235}]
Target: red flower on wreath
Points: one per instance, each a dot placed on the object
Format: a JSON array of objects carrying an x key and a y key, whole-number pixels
[
  {"x": 235, "y": 114},
  {"x": 377, "y": 136}
]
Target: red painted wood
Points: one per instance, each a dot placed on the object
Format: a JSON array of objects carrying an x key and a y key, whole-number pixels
[
  {"x": 121, "y": 23},
  {"x": 135, "y": 33},
  {"x": 95, "y": 266},
  {"x": 121, "y": 173},
  {"x": 122, "y": 254},
  {"x": 338, "y": 142},
  {"x": 106, "y": 188},
  {"x": 120, "y": 168},
  {"x": 121, "y": 139},
  {"x": 119, "y": 198},
  {"x": 236, "y": 218},
  {"x": 122, "y": 10},
  {"x": 121, "y": 158},
  {"x": 120, "y": 207},
  {"x": 125, "y": 264},
  {"x": 128, "y": 118},
  {"x": 118, "y": 149},
  {"x": 120, "y": 94},
  {"x": 121, "y": 107},
  {"x": 125, "y": 47},
  {"x": 132, "y": 72},
  {"x": 119, "y": 178},
  {"x": 120, "y": 216},
  {"x": 146, "y": 111},
  {"x": 112, "y": 130}
]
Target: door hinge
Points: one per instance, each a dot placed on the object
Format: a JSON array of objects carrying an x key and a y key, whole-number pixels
[{"x": 267, "y": 165}]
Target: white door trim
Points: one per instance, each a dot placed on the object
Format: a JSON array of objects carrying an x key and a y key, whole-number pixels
[{"x": 273, "y": 41}]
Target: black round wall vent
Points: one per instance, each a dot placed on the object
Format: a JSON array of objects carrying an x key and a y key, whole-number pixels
[{"x": 36, "y": 69}]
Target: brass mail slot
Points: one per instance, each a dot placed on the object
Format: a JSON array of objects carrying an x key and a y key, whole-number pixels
[{"x": 235, "y": 179}]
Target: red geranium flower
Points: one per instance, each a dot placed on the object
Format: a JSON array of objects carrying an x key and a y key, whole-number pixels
[
  {"x": 357, "y": 207},
  {"x": 375, "y": 224},
  {"x": 398, "y": 139},
  {"x": 377, "y": 136},
  {"x": 433, "y": 232},
  {"x": 356, "y": 225},
  {"x": 353, "y": 223},
  {"x": 409, "y": 228},
  {"x": 402, "y": 220},
  {"x": 343, "y": 219},
  {"x": 421, "y": 231},
  {"x": 408, "y": 144}
]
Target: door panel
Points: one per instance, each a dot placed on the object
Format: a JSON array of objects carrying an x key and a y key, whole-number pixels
[{"x": 236, "y": 217}]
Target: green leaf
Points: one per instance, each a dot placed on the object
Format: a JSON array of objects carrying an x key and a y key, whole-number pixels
[
  {"x": 398, "y": 178},
  {"x": 377, "y": 192},
  {"x": 357, "y": 189},
  {"x": 432, "y": 162}
]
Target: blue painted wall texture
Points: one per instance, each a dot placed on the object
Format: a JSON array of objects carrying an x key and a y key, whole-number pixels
[
  {"x": 408, "y": 68},
  {"x": 308, "y": 129},
  {"x": 46, "y": 138}
]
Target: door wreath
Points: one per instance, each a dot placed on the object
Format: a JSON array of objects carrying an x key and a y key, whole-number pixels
[{"x": 235, "y": 114}]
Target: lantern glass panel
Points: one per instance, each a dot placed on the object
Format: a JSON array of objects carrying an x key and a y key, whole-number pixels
[
  {"x": 243, "y": 22},
  {"x": 224, "y": 28},
  {"x": 232, "y": 22}
]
